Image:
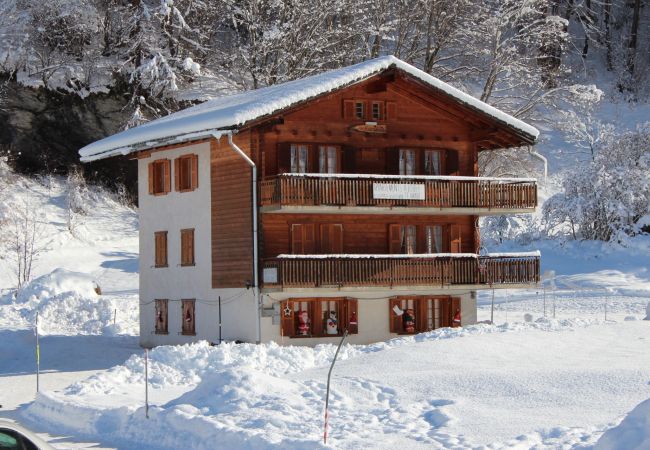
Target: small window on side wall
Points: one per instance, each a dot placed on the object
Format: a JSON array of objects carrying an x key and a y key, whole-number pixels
[
  {"x": 159, "y": 177},
  {"x": 162, "y": 316},
  {"x": 187, "y": 247},
  {"x": 186, "y": 173},
  {"x": 377, "y": 111},
  {"x": 188, "y": 309}
]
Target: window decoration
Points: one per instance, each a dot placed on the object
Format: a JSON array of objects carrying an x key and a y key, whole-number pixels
[
  {"x": 417, "y": 314},
  {"x": 160, "y": 249},
  {"x": 188, "y": 316},
  {"x": 186, "y": 175},
  {"x": 162, "y": 316},
  {"x": 319, "y": 317},
  {"x": 187, "y": 247},
  {"x": 159, "y": 177}
]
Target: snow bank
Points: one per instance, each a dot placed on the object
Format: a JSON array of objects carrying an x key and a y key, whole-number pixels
[
  {"x": 68, "y": 303},
  {"x": 632, "y": 434}
]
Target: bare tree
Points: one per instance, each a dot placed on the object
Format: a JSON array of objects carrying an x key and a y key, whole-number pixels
[{"x": 23, "y": 240}]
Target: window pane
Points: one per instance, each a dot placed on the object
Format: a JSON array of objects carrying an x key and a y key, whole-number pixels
[
  {"x": 299, "y": 158},
  {"x": 432, "y": 162},
  {"x": 406, "y": 162},
  {"x": 410, "y": 244},
  {"x": 433, "y": 239}
]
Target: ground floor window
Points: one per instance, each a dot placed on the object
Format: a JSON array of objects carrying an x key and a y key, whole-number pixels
[
  {"x": 188, "y": 310},
  {"x": 319, "y": 317},
  {"x": 417, "y": 314},
  {"x": 161, "y": 316}
]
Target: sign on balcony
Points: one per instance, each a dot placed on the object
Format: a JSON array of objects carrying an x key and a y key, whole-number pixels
[{"x": 398, "y": 191}]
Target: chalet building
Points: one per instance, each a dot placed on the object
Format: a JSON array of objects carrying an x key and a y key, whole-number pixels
[{"x": 345, "y": 200}]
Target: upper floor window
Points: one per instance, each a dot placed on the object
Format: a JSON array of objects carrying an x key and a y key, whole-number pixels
[
  {"x": 186, "y": 173},
  {"x": 187, "y": 247},
  {"x": 432, "y": 165},
  {"x": 160, "y": 249},
  {"x": 328, "y": 159},
  {"x": 377, "y": 111},
  {"x": 433, "y": 238},
  {"x": 359, "y": 110},
  {"x": 159, "y": 177},
  {"x": 299, "y": 158},
  {"x": 406, "y": 161},
  {"x": 403, "y": 239}
]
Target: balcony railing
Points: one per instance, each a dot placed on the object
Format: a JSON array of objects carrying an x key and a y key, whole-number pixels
[
  {"x": 308, "y": 271},
  {"x": 398, "y": 191}
]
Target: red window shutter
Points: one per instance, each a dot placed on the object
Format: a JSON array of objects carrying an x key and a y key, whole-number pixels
[
  {"x": 395, "y": 238},
  {"x": 309, "y": 238},
  {"x": 177, "y": 174},
  {"x": 395, "y": 320},
  {"x": 167, "y": 166},
  {"x": 391, "y": 111},
  {"x": 352, "y": 315},
  {"x": 348, "y": 109},
  {"x": 151, "y": 172},
  {"x": 287, "y": 326},
  {"x": 195, "y": 171},
  {"x": 297, "y": 247},
  {"x": 455, "y": 243}
]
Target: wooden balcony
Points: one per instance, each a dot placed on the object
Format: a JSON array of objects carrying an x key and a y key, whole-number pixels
[
  {"x": 441, "y": 271},
  {"x": 461, "y": 195}
]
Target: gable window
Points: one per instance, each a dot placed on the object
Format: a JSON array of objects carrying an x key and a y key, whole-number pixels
[
  {"x": 328, "y": 159},
  {"x": 299, "y": 158},
  {"x": 432, "y": 164},
  {"x": 159, "y": 177},
  {"x": 187, "y": 247},
  {"x": 319, "y": 317},
  {"x": 406, "y": 161},
  {"x": 377, "y": 111},
  {"x": 359, "y": 110},
  {"x": 188, "y": 327},
  {"x": 160, "y": 250},
  {"x": 402, "y": 239},
  {"x": 162, "y": 316},
  {"x": 186, "y": 173},
  {"x": 417, "y": 314},
  {"x": 433, "y": 238}
]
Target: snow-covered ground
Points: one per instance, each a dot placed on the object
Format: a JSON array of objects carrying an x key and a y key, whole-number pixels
[{"x": 547, "y": 383}]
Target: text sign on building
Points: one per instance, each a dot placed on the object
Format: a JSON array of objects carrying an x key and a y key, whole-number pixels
[{"x": 398, "y": 191}]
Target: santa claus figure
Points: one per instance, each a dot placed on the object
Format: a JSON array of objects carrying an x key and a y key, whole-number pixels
[
  {"x": 409, "y": 321},
  {"x": 332, "y": 324},
  {"x": 303, "y": 323},
  {"x": 456, "y": 321}
]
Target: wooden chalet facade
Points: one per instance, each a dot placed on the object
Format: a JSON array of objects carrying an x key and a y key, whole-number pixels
[{"x": 347, "y": 200}]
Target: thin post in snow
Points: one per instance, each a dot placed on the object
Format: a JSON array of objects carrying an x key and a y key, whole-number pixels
[
  {"x": 38, "y": 356},
  {"x": 146, "y": 382},
  {"x": 114, "y": 316},
  {"x": 544, "y": 294},
  {"x": 327, "y": 392},
  {"x": 606, "y": 306},
  {"x": 492, "y": 309},
  {"x": 219, "y": 320}
]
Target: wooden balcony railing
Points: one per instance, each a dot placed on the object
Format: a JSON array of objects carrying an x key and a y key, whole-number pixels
[
  {"x": 301, "y": 271},
  {"x": 434, "y": 191}
]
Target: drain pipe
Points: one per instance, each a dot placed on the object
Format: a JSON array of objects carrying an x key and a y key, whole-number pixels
[
  {"x": 534, "y": 154},
  {"x": 256, "y": 285}
]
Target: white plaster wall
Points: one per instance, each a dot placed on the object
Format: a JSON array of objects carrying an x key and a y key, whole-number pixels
[
  {"x": 173, "y": 212},
  {"x": 373, "y": 315}
]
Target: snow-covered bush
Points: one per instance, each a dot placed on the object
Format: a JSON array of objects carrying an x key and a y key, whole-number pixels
[{"x": 610, "y": 195}]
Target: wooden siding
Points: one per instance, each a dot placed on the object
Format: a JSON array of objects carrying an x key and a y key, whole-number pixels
[{"x": 232, "y": 244}]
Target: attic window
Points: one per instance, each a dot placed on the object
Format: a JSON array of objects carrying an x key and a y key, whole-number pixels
[
  {"x": 359, "y": 112},
  {"x": 377, "y": 111}
]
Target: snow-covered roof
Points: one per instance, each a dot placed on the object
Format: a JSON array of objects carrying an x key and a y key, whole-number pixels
[{"x": 236, "y": 110}]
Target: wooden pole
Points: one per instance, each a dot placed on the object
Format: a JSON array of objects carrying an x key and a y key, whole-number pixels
[
  {"x": 38, "y": 357},
  {"x": 327, "y": 392},
  {"x": 146, "y": 382}
]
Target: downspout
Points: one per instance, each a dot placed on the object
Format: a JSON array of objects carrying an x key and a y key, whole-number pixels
[
  {"x": 256, "y": 288},
  {"x": 534, "y": 154}
]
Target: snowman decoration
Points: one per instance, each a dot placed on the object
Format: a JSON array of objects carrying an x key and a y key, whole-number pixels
[{"x": 332, "y": 324}]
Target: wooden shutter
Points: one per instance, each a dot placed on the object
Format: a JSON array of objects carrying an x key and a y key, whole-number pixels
[
  {"x": 297, "y": 247},
  {"x": 168, "y": 168},
  {"x": 352, "y": 315},
  {"x": 445, "y": 312},
  {"x": 177, "y": 174},
  {"x": 391, "y": 111},
  {"x": 348, "y": 109},
  {"x": 160, "y": 249},
  {"x": 455, "y": 242},
  {"x": 316, "y": 316},
  {"x": 421, "y": 314},
  {"x": 309, "y": 238},
  {"x": 455, "y": 306},
  {"x": 395, "y": 238},
  {"x": 392, "y": 161},
  {"x": 151, "y": 175},
  {"x": 394, "y": 319},
  {"x": 195, "y": 171},
  {"x": 451, "y": 162},
  {"x": 349, "y": 162},
  {"x": 287, "y": 323},
  {"x": 187, "y": 247},
  {"x": 331, "y": 238},
  {"x": 284, "y": 158}
]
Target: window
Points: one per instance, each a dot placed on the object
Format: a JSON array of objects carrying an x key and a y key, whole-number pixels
[
  {"x": 331, "y": 238},
  {"x": 417, "y": 314},
  {"x": 359, "y": 110},
  {"x": 188, "y": 317},
  {"x": 303, "y": 238},
  {"x": 402, "y": 239},
  {"x": 406, "y": 161},
  {"x": 377, "y": 111},
  {"x": 432, "y": 162},
  {"x": 319, "y": 317},
  {"x": 160, "y": 256},
  {"x": 299, "y": 158},
  {"x": 162, "y": 316},
  {"x": 433, "y": 238},
  {"x": 328, "y": 159},
  {"x": 455, "y": 239},
  {"x": 187, "y": 247},
  {"x": 186, "y": 173},
  {"x": 159, "y": 177}
]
